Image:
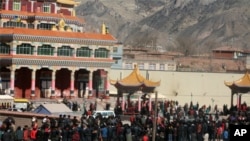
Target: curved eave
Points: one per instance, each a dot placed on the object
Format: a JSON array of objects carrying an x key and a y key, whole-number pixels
[
  {"x": 112, "y": 82},
  {"x": 229, "y": 84},
  {"x": 243, "y": 82},
  {"x": 136, "y": 79},
  {"x": 136, "y": 84},
  {"x": 152, "y": 84}
]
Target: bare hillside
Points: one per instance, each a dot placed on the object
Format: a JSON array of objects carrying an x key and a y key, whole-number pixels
[{"x": 202, "y": 24}]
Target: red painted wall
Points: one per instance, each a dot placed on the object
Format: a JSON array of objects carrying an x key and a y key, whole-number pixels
[
  {"x": 223, "y": 54},
  {"x": 10, "y": 5}
]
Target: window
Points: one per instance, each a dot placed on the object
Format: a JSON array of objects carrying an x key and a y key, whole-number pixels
[
  {"x": 171, "y": 66},
  {"x": 30, "y": 25},
  {"x": 5, "y": 76},
  {"x": 83, "y": 52},
  {"x": 24, "y": 49},
  {"x": 128, "y": 65},
  {"x": 46, "y": 7},
  {"x": 14, "y": 24},
  {"x": 101, "y": 53},
  {"x": 17, "y": 5},
  {"x": 141, "y": 66},
  {"x": 45, "y": 26},
  {"x": 4, "y": 48},
  {"x": 65, "y": 51},
  {"x": 152, "y": 67},
  {"x": 116, "y": 60},
  {"x": 45, "y": 50},
  {"x": 1, "y": 5},
  {"x": 115, "y": 49},
  {"x": 162, "y": 66}
]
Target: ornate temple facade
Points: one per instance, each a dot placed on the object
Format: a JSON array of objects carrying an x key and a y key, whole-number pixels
[{"x": 45, "y": 52}]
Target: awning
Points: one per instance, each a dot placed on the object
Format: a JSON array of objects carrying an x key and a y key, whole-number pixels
[
  {"x": 6, "y": 97},
  {"x": 21, "y": 100}
]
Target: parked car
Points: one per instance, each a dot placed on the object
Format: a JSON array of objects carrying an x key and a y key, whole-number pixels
[{"x": 104, "y": 114}]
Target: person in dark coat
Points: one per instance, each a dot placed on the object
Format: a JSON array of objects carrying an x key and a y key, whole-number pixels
[
  {"x": 9, "y": 135},
  {"x": 19, "y": 134}
]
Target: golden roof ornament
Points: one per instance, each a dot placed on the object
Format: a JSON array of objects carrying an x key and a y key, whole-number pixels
[
  {"x": 54, "y": 28},
  {"x": 61, "y": 25},
  {"x": 103, "y": 28},
  {"x": 68, "y": 29}
]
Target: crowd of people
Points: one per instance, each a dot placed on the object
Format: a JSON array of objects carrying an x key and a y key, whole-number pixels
[{"x": 173, "y": 123}]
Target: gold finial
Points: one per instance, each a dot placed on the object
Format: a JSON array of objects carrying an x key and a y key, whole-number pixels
[
  {"x": 103, "y": 28},
  {"x": 61, "y": 25},
  {"x": 54, "y": 28},
  {"x": 69, "y": 29}
]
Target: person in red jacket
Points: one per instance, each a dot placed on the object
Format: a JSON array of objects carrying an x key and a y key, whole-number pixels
[
  {"x": 33, "y": 134},
  {"x": 76, "y": 136},
  {"x": 26, "y": 133},
  {"x": 145, "y": 137}
]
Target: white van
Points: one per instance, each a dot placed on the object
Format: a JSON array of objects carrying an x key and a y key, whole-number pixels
[{"x": 105, "y": 113}]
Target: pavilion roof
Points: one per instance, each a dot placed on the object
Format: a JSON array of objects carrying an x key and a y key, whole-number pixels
[
  {"x": 241, "y": 85},
  {"x": 242, "y": 82},
  {"x": 135, "y": 79}
]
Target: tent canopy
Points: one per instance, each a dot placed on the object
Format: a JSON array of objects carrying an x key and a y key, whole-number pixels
[{"x": 50, "y": 109}]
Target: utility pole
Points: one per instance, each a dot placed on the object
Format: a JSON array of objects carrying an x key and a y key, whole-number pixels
[{"x": 155, "y": 116}]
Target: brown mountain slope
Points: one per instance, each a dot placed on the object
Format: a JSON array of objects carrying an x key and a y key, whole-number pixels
[{"x": 202, "y": 24}]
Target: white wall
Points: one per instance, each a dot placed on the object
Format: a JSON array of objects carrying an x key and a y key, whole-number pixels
[{"x": 180, "y": 85}]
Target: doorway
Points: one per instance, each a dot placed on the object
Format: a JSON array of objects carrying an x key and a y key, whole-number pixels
[
  {"x": 81, "y": 88},
  {"x": 45, "y": 88}
]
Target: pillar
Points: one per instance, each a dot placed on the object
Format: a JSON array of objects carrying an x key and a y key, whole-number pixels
[
  {"x": 32, "y": 6},
  {"x": 12, "y": 81},
  {"x": 13, "y": 48},
  {"x": 90, "y": 95},
  {"x": 35, "y": 50},
  {"x": 150, "y": 104},
  {"x": 237, "y": 100},
  {"x": 7, "y": 5},
  {"x": 55, "y": 52},
  {"x": 232, "y": 99},
  {"x": 123, "y": 103},
  {"x": 72, "y": 83},
  {"x": 33, "y": 83},
  {"x": 53, "y": 84},
  {"x": 139, "y": 104},
  {"x": 240, "y": 101},
  {"x": 111, "y": 53},
  {"x": 74, "y": 53},
  {"x": 92, "y": 53},
  {"x": 55, "y": 9},
  {"x": 107, "y": 86}
]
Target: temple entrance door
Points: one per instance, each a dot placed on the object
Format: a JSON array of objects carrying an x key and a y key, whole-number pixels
[
  {"x": 45, "y": 85},
  {"x": 81, "y": 88}
]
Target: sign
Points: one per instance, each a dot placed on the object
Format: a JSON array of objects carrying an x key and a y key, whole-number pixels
[{"x": 239, "y": 132}]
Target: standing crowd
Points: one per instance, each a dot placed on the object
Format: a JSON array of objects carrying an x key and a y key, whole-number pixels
[{"x": 173, "y": 123}]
